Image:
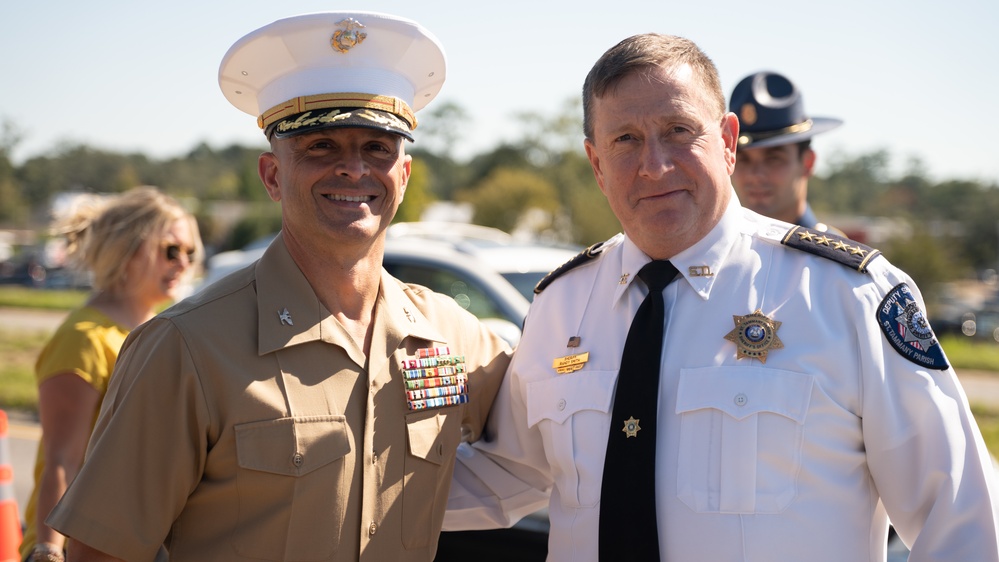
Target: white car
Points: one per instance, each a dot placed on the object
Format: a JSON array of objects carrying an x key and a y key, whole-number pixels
[{"x": 484, "y": 270}]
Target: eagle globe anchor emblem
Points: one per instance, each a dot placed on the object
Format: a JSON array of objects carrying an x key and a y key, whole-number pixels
[{"x": 346, "y": 39}]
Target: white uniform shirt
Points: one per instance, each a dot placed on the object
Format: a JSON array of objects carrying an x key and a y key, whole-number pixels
[{"x": 794, "y": 459}]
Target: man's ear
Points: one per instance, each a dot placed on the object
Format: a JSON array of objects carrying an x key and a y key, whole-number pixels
[
  {"x": 594, "y": 158},
  {"x": 407, "y": 171},
  {"x": 730, "y": 138},
  {"x": 267, "y": 169},
  {"x": 808, "y": 161}
]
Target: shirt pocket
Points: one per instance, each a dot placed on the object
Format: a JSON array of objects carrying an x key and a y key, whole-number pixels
[
  {"x": 741, "y": 432},
  {"x": 572, "y": 414},
  {"x": 432, "y": 437},
  {"x": 292, "y": 487}
]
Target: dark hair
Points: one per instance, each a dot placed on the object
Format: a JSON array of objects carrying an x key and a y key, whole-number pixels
[{"x": 644, "y": 51}]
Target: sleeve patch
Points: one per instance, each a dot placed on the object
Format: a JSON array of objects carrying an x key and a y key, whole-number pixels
[
  {"x": 908, "y": 331},
  {"x": 831, "y": 246}
]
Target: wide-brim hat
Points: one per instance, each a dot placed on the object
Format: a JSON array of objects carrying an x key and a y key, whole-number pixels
[
  {"x": 334, "y": 69},
  {"x": 771, "y": 112}
]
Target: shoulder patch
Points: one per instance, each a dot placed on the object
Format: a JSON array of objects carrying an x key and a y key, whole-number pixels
[
  {"x": 575, "y": 261},
  {"x": 831, "y": 246},
  {"x": 908, "y": 331}
]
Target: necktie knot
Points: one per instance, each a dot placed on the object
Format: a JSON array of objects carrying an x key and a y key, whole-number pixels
[{"x": 657, "y": 274}]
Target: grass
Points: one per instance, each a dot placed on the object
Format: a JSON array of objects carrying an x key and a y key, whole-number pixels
[
  {"x": 18, "y": 351},
  {"x": 988, "y": 422},
  {"x": 49, "y": 299},
  {"x": 967, "y": 354}
]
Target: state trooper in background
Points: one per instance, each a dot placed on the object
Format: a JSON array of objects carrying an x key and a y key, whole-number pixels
[
  {"x": 774, "y": 159},
  {"x": 802, "y": 397}
]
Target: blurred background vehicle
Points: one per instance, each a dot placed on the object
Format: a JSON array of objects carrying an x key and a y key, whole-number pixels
[
  {"x": 485, "y": 270},
  {"x": 982, "y": 324}
]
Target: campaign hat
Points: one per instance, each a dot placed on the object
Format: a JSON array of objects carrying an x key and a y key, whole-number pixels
[
  {"x": 334, "y": 69},
  {"x": 771, "y": 112}
]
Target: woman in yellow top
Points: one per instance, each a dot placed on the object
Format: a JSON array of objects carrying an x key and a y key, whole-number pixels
[{"x": 139, "y": 248}]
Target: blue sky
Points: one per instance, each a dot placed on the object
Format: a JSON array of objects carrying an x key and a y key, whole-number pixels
[{"x": 915, "y": 77}]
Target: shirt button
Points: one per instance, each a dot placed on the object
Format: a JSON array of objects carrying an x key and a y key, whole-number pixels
[
  {"x": 298, "y": 459},
  {"x": 374, "y": 457},
  {"x": 561, "y": 405},
  {"x": 372, "y": 529},
  {"x": 741, "y": 399}
]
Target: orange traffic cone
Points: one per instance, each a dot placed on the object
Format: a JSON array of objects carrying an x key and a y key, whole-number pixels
[{"x": 10, "y": 521}]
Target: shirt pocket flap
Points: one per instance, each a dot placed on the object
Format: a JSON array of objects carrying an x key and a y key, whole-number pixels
[
  {"x": 743, "y": 391},
  {"x": 558, "y": 398},
  {"x": 425, "y": 439},
  {"x": 292, "y": 446}
]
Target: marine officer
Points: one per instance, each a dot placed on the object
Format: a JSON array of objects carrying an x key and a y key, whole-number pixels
[{"x": 307, "y": 407}]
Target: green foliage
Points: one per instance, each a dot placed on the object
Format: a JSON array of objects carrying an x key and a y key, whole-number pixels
[
  {"x": 988, "y": 422},
  {"x": 49, "y": 299},
  {"x": 967, "y": 354},
  {"x": 928, "y": 259},
  {"x": 441, "y": 128},
  {"x": 257, "y": 223},
  {"x": 18, "y": 352},
  {"x": 502, "y": 198},
  {"x": 418, "y": 194}
]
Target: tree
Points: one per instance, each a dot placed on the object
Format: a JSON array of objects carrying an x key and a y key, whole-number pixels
[
  {"x": 418, "y": 195},
  {"x": 927, "y": 259},
  {"x": 13, "y": 208},
  {"x": 502, "y": 198},
  {"x": 440, "y": 128}
]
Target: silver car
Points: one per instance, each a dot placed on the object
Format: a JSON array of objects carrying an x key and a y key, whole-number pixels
[{"x": 486, "y": 271}]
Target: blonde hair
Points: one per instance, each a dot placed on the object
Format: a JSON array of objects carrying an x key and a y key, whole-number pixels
[{"x": 102, "y": 234}]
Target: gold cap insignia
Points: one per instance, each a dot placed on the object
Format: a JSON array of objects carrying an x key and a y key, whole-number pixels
[
  {"x": 346, "y": 39},
  {"x": 747, "y": 114},
  {"x": 754, "y": 336}
]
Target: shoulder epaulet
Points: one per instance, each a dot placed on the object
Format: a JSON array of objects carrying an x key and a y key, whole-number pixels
[
  {"x": 576, "y": 261},
  {"x": 831, "y": 246}
]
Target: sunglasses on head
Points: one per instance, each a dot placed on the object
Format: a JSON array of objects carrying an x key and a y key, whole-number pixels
[{"x": 173, "y": 251}]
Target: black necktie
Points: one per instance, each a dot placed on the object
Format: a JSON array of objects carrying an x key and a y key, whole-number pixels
[{"x": 628, "y": 528}]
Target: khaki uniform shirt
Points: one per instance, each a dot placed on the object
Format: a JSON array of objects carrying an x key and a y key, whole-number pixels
[{"x": 245, "y": 424}]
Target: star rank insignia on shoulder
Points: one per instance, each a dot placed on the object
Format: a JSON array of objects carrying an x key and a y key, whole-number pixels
[
  {"x": 831, "y": 246},
  {"x": 754, "y": 336}
]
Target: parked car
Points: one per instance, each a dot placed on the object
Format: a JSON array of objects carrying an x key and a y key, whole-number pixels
[
  {"x": 484, "y": 270},
  {"x": 982, "y": 324}
]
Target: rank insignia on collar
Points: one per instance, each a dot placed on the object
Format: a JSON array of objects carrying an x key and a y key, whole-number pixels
[
  {"x": 631, "y": 427},
  {"x": 754, "y": 336},
  {"x": 285, "y": 317},
  {"x": 908, "y": 331}
]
